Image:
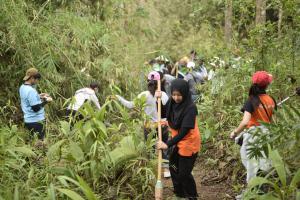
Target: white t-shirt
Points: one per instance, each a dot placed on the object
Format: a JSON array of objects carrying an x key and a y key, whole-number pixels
[
  {"x": 82, "y": 95},
  {"x": 151, "y": 106}
]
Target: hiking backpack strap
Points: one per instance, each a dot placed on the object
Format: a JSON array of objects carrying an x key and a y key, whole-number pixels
[{"x": 265, "y": 109}]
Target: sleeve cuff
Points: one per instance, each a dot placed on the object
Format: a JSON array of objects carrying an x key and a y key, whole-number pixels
[{"x": 169, "y": 143}]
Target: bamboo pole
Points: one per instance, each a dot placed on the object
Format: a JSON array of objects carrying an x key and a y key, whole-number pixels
[{"x": 159, "y": 186}]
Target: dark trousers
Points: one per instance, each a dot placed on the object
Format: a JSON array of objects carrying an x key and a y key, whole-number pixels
[
  {"x": 36, "y": 127},
  {"x": 73, "y": 116},
  {"x": 181, "y": 173},
  {"x": 164, "y": 135}
]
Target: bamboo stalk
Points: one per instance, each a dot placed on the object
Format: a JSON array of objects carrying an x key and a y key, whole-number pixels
[{"x": 159, "y": 186}]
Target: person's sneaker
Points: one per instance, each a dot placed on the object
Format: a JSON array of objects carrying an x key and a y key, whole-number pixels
[
  {"x": 240, "y": 196},
  {"x": 167, "y": 174}
]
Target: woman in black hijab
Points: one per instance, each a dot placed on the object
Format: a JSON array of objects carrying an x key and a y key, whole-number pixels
[{"x": 181, "y": 116}]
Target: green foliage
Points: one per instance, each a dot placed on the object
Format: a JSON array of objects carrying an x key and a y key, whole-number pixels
[
  {"x": 285, "y": 186},
  {"x": 83, "y": 162},
  {"x": 104, "y": 156},
  {"x": 16, "y": 158}
]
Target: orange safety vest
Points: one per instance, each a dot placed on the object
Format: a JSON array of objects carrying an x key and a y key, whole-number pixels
[
  {"x": 191, "y": 143},
  {"x": 260, "y": 114}
]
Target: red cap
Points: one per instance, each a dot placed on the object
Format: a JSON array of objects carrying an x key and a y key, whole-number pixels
[{"x": 262, "y": 78}]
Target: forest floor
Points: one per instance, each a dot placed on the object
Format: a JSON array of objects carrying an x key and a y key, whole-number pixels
[{"x": 212, "y": 183}]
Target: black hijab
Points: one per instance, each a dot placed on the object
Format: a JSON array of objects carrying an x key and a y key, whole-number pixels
[{"x": 182, "y": 114}]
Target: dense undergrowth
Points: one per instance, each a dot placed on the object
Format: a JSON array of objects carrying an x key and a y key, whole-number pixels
[{"x": 105, "y": 157}]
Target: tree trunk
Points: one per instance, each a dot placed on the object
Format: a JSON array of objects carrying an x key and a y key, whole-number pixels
[
  {"x": 260, "y": 20},
  {"x": 260, "y": 17},
  {"x": 280, "y": 13},
  {"x": 228, "y": 23}
]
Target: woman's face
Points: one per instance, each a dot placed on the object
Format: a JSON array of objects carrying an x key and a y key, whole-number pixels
[{"x": 177, "y": 96}]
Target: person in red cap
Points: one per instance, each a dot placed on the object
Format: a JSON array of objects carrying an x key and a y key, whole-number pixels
[{"x": 258, "y": 108}]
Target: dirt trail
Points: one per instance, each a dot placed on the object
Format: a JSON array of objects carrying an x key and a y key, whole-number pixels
[{"x": 209, "y": 185}]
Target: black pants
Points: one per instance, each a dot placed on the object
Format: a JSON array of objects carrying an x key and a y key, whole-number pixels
[
  {"x": 165, "y": 137},
  {"x": 181, "y": 173},
  {"x": 74, "y": 116},
  {"x": 36, "y": 127}
]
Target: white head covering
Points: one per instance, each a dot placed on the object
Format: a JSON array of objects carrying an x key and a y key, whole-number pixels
[{"x": 191, "y": 64}]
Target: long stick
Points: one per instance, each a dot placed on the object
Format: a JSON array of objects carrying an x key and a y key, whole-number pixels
[
  {"x": 158, "y": 186},
  {"x": 297, "y": 92},
  {"x": 284, "y": 100}
]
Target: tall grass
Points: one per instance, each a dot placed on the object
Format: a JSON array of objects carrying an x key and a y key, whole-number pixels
[{"x": 75, "y": 42}]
